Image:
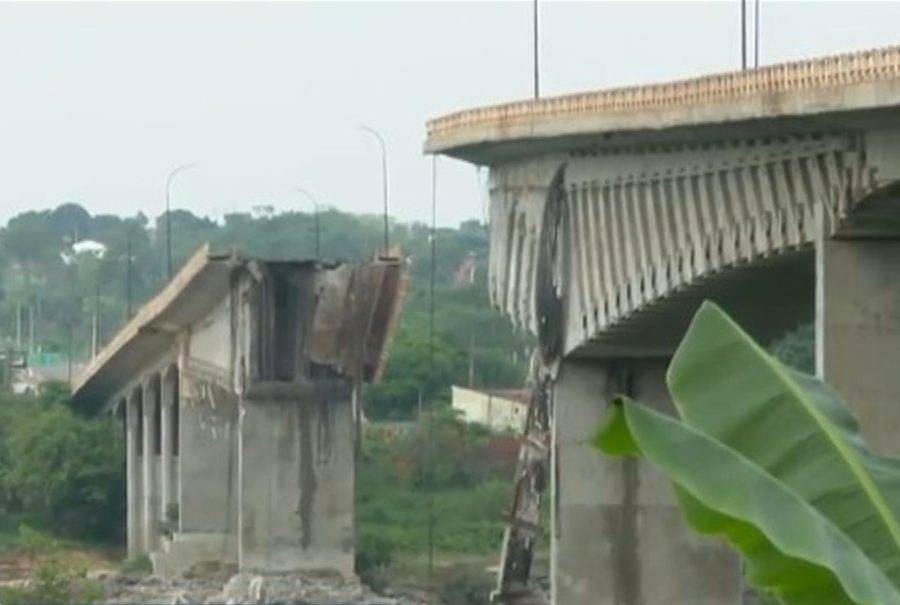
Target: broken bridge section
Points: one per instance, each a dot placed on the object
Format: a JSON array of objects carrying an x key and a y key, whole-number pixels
[{"x": 239, "y": 385}]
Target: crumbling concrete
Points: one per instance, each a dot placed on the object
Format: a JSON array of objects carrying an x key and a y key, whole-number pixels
[
  {"x": 253, "y": 369},
  {"x": 259, "y": 589}
]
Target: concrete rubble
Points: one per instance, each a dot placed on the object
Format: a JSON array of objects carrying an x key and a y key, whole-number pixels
[{"x": 307, "y": 589}]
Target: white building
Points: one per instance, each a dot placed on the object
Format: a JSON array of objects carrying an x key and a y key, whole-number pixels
[{"x": 501, "y": 410}]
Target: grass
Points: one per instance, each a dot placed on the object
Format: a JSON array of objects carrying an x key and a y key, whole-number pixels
[
  {"x": 467, "y": 520},
  {"x": 468, "y": 506}
]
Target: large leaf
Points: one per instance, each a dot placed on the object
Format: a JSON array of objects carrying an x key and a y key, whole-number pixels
[
  {"x": 790, "y": 547},
  {"x": 793, "y": 426}
]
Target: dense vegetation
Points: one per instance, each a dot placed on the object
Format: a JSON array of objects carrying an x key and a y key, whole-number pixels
[
  {"x": 62, "y": 475},
  {"x": 43, "y": 276},
  {"x": 59, "y": 472},
  {"x": 463, "y": 479}
]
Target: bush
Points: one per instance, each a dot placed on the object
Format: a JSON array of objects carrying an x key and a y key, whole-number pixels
[
  {"x": 467, "y": 586},
  {"x": 53, "y": 583},
  {"x": 35, "y": 543},
  {"x": 456, "y": 457},
  {"x": 797, "y": 348},
  {"x": 61, "y": 472},
  {"x": 137, "y": 565},
  {"x": 374, "y": 554},
  {"x": 470, "y": 491}
]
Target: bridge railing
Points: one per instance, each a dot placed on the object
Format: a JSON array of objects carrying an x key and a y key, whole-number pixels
[{"x": 821, "y": 72}]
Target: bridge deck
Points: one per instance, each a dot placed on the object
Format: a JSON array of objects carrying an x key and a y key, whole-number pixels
[{"x": 863, "y": 80}]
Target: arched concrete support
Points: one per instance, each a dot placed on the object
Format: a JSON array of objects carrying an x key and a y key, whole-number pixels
[
  {"x": 618, "y": 537},
  {"x": 168, "y": 434},
  {"x": 134, "y": 487},
  {"x": 150, "y": 389}
]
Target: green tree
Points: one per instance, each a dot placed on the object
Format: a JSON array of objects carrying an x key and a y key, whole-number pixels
[{"x": 63, "y": 472}]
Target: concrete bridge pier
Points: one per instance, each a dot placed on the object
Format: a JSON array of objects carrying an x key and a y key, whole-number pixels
[
  {"x": 133, "y": 445},
  {"x": 618, "y": 537},
  {"x": 169, "y": 436},
  {"x": 858, "y": 331},
  {"x": 150, "y": 444}
]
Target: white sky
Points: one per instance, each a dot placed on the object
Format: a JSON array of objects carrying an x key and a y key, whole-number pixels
[{"x": 99, "y": 101}]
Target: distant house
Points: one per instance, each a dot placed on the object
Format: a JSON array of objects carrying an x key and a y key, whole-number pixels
[{"x": 500, "y": 410}]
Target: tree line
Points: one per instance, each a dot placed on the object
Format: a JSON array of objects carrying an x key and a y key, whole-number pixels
[{"x": 56, "y": 281}]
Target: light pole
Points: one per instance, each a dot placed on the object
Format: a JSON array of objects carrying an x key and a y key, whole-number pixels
[
  {"x": 128, "y": 293},
  {"x": 315, "y": 204},
  {"x": 172, "y": 174},
  {"x": 384, "y": 181},
  {"x": 537, "y": 65}
]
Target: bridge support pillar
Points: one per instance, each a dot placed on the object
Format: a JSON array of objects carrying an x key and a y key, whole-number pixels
[
  {"x": 858, "y": 331},
  {"x": 134, "y": 472},
  {"x": 618, "y": 537}
]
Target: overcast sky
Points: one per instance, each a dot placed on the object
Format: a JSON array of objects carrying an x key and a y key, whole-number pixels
[{"x": 99, "y": 101}]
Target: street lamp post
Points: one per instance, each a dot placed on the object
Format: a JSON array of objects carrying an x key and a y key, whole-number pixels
[
  {"x": 384, "y": 181},
  {"x": 172, "y": 174},
  {"x": 315, "y": 204},
  {"x": 128, "y": 292}
]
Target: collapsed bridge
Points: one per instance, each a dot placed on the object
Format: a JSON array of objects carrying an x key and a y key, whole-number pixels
[{"x": 239, "y": 388}]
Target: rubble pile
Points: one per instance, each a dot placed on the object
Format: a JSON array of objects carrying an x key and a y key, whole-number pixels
[{"x": 290, "y": 589}]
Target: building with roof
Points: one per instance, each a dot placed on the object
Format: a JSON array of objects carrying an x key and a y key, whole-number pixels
[
  {"x": 238, "y": 386},
  {"x": 500, "y": 410}
]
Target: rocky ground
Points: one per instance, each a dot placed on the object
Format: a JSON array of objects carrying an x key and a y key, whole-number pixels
[{"x": 309, "y": 589}]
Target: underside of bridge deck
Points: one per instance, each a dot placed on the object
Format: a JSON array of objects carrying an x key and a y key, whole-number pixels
[{"x": 767, "y": 298}]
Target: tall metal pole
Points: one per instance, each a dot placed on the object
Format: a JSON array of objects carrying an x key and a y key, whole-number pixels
[
  {"x": 69, "y": 353},
  {"x": 743, "y": 34},
  {"x": 537, "y": 64},
  {"x": 95, "y": 325},
  {"x": 428, "y": 452},
  {"x": 172, "y": 174},
  {"x": 315, "y": 204},
  {"x": 756, "y": 34},
  {"x": 384, "y": 181},
  {"x": 128, "y": 254}
]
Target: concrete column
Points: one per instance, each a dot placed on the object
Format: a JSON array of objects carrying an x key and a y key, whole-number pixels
[
  {"x": 150, "y": 494},
  {"x": 858, "y": 332},
  {"x": 618, "y": 537},
  {"x": 167, "y": 400},
  {"x": 296, "y": 478},
  {"x": 134, "y": 474},
  {"x": 579, "y": 567}
]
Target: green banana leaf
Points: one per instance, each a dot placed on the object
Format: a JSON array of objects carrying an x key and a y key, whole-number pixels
[
  {"x": 793, "y": 430},
  {"x": 726, "y": 386},
  {"x": 790, "y": 548}
]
